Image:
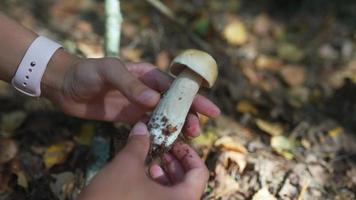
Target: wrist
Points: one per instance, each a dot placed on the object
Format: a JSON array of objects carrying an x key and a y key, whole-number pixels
[{"x": 57, "y": 68}]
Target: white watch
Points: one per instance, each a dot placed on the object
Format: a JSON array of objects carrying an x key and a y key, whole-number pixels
[{"x": 28, "y": 76}]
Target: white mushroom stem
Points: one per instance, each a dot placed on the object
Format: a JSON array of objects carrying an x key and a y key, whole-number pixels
[{"x": 169, "y": 116}]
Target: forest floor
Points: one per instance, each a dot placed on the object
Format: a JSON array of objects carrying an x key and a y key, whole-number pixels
[{"x": 286, "y": 86}]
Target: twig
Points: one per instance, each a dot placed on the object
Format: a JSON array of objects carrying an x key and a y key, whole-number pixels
[
  {"x": 163, "y": 9},
  {"x": 113, "y": 20}
]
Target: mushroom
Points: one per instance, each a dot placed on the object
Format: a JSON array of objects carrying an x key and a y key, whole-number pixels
[{"x": 191, "y": 68}]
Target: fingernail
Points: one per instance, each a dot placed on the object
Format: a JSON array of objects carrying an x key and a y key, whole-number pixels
[
  {"x": 149, "y": 97},
  {"x": 156, "y": 171},
  {"x": 139, "y": 129}
]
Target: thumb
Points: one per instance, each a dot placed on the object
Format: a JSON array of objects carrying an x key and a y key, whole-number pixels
[
  {"x": 116, "y": 74},
  {"x": 138, "y": 143}
]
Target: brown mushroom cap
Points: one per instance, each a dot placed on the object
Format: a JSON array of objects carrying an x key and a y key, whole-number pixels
[{"x": 198, "y": 61}]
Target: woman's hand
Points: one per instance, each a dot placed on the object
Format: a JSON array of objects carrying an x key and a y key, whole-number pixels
[
  {"x": 183, "y": 174},
  {"x": 108, "y": 89}
]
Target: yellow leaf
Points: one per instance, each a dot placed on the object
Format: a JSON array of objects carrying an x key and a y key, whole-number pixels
[
  {"x": 334, "y": 133},
  {"x": 203, "y": 120},
  {"x": 246, "y": 107},
  {"x": 283, "y": 146},
  {"x": 228, "y": 144},
  {"x": 85, "y": 135},
  {"x": 269, "y": 127},
  {"x": 235, "y": 33},
  {"x": 57, "y": 153},
  {"x": 204, "y": 140},
  {"x": 21, "y": 179}
]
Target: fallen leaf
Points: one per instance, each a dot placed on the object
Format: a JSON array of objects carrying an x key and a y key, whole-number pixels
[
  {"x": 91, "y": 50},
  {"x": 203, "y": 120},
  {"x": 283, "y": 146},
  {"x": 8, "y": 150},
  {"x": 290, "y": 52},
  {"x": 334, "y": 133},
  {"x": 263, "y": 194},
  {"x": 131, "y": 54},
  {"x": 85, "y": 134},
  {"x": 306, "y": 144},
  {"x": 129, "y": 30},
  {"x": 16, "y": 168},
  {"x": 57, "y": 153},
  {"x": 327, "y": 52},
  {"x": 273, "y": 129},
  {"x": 246, "y": 107},
  {"x": 262, "y": 24},
  {"x": 63, "y": 185},
  {"x": 162, "y": 60},
  {"x": 293, "y": 75},
  {"x": 269, "y": 63},
  {"x": 204, "y": 140},
  {"x": 11, "y": 121},
  {"x": 235, "y": 33},
  {"x": 226, "y": 143},
  {"x": 298, "y": 96}
]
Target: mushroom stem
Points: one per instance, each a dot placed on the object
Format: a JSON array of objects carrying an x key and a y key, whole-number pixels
[{"x": 169, "y": 116}]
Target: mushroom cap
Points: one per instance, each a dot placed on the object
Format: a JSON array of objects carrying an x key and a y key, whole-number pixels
[{"x": 198, "y": 61}]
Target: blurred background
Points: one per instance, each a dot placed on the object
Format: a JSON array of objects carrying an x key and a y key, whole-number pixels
[{"x": 286, "y": 86}]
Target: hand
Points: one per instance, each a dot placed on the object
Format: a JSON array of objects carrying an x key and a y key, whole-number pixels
[
  {"x": 108, "y": 89},
  {"x": 184, "y": 177}
]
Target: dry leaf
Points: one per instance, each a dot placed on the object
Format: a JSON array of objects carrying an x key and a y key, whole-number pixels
[
  {"x": 57, "y": 153},
  {"x": 246, "y": 107},
  {"x": 162, "y": 60},
  {"x": 8, "y": 150},
  {"x": 131, "y": 54},
  {"x": 91, "y": 50},
  {"x": 85, "y": 134},
  {"x": 129, "y": 30},
  {"x": 20, "y": 173},
  {"x": 226, "y": 143},
  {"x": 262, "y": 24},
  {"x": 11, "y": 121},
  {"x": 203, "y": 120},
  {"x": 263, "y": 194},
  {"x": 293, "y": 75},
  {"x": 283, "y": 146},
  {"x": 290, "y": 52},
  {"x": 235, "y": 33},
  {"x": 269, "y": 127},
  {"x": 63, "y": 185},
  {"x": 225, "y": 184},
  {"x": 264, "y": 62},
  {"x": 232, "y": 152}
]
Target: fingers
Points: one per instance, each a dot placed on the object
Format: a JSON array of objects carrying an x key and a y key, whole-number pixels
[
  {"x": 157, "y": 174},
  {"x": 197, "y": 174},
  {"x": 116, "y": 74},
  {"x": 173, "y": 168},
  {"x": 137, "y": 145},
  {"x": 191, "y": 128},
  {"x": 204, "y": 106},
  {"x": 160, "y": 81}
]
